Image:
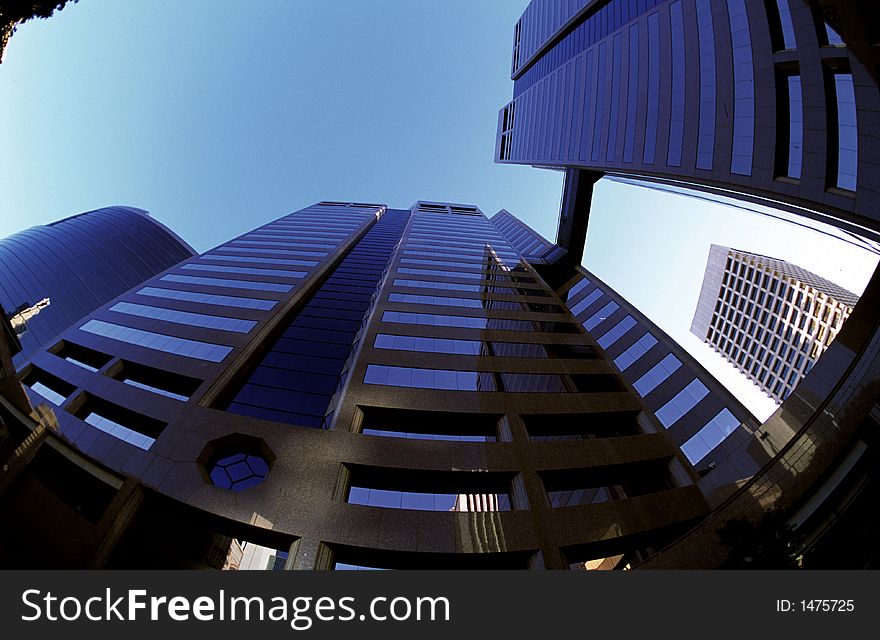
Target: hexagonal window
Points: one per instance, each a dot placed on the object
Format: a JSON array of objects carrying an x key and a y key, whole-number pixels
[
  {"x": 237, "y": 462},
  {"x": 239, "y": 471}
]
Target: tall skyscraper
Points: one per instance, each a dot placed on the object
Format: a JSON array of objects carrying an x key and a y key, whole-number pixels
[
  {"x": 356, "y": 386},
  {"x": 769, "y": 318},
  {"x": 771, "y": 102},
  {"x": 78, "y": 264},
  {"x": 774, "y": 101}
]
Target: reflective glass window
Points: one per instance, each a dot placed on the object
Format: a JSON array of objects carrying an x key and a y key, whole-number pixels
[
  {"x": 119, "y": 431},
  {"x": 152, "y": 389},
  {"x": 632, "y": 94},
  {"x": 594, "y": 320},
  {"x": 657, "y": 374},
  {"x": 616, "y": 49},
  {"x": 676, "y": 116},
  {"x": 421, "y": 501},
  {"x": 847, "y": 131},
  {"x": 299, "y": 252},
  {"x": 258, "y": 259},
  {"x": 52, "y": 396},
  {"x": 743, "y": 89},
  {"x": 795, "y": 126},
  {"x": 412, "y": 298},
  {"x": 429, "y": 378},
  {"x": 447, "y": 286},
  {"x": 185, "y": 317},
  {"x": 577, "y": 288},
  {"x": 230, "y": 284},
  {"x": 260, "y": 251},
  {"x": 600, "y": 112},
  {"x": 786, "y": 24},
  {"x": 428, "y": 436},
  {"x": 208, "y": 298},
  {"x": 833, "y": 37},
  {"x": 594, "y": 295},
  {"x": 616, "y": 332},
  {"x": 710, "y": 436},
  {"x": 158, "y": 341},
  {"x": 681, "y": 403},
  {"x": 195, "y": 266},
  {"x": 634, "y": 352},
  {"x": 653, "y": 89},
  {"x": 428, "y": 345},
  {"x": 706, "y": 134}
]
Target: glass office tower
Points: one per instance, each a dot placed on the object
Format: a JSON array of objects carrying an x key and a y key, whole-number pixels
[
  {"x": 769, "y": 101},
  {"x": 78, "y": 264},
  {"x": 774, "y": 100},
  {"x": 357, "y": 386}
]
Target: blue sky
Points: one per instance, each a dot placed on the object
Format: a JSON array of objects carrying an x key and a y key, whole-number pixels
[{"x": 220, "y": 116}]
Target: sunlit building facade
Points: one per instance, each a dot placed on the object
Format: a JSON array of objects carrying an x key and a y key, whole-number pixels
[
  {"x": 351, "y": 386},
  {"x": 767, "y": 317}
]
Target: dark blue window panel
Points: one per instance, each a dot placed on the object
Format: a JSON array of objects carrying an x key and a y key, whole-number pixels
[
  {"x": 632, "y": 94},
  {"x": 600, "y": 112},
  {"x": 274, "y": 415},
  {"x": 743, "y": 89},
  {"x": 785, "y": 22},
  {"x": 676, "y": 115},
  {"x": 834, "y": 39},
  {"x": 298, "y": 362},
  {"x": 795, "y": 127},
  {"x": 706, "y": 133},
  {"x": 317, "y": 335},
  {"x": 577, "y": 288},
  {"x": 297, "y": 378},
  {"x": 239, "y": 471},
  {"x": 336, "y": 314},
  {"x": 310, "y": 382},
  {"x": 158, "y": 341},
  {"x": 311, "y": 348},
  {"x": 278, "y": 399},
  {"x": 327, "y": 325},
  {"x": 617, "y": 54},
  {"x": 847, "y": 131},
  {"x": 257, "y": 259},
  {"x": 649, "y": 151},
  {"x": 340, "y": 300}
]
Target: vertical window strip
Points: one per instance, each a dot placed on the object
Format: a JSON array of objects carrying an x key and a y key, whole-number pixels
[
  {"x": 706, "y": 135},
  {"x": 788, "y": 40},
  {"x": 634, "y": 352},
  {"x": 632, "y": 94},
  {"x": 648, "y": 154},
  {"x": 599, "y": 114},
  {"x": 847, "y": 131},
  {"x": 587, "y": 105},
  {"x": 795, "y": 126},
  {"x": 676, "y": 122},
  {"x": 611, "y": 146},
  {"x": 743, "y": 89}
]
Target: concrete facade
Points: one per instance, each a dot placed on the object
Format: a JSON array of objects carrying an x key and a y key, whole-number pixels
[{"x": 771, "y": 319}]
